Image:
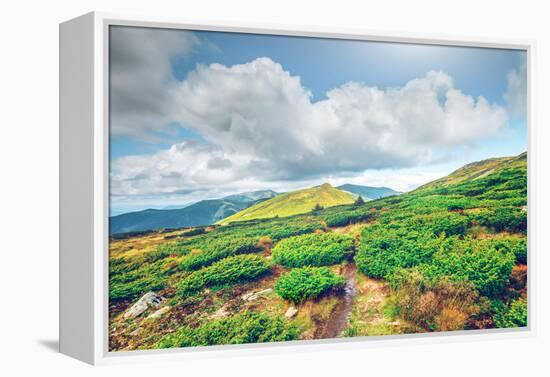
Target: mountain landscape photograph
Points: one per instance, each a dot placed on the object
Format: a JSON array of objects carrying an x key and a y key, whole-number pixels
[{"x": 272, "y": 188}]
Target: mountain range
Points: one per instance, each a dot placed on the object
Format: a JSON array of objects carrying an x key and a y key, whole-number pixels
[
  {"x": 367, "y": 192},
  {"x": 205, "y": 212},
  {"x": 244, "y": 206}
]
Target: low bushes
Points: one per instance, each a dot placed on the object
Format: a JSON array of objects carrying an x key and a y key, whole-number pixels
[
  {"x": 275, "y": 229},
  {"x": 512, "y": 219},
  {"x": 344, "y": 218},
  {"x": 478, "y": 262},
  {"x": 135, "y": 288},
  {"x": 193, "y": 232},
  {"x": 313, "y": 250},
  {"x": 305, "y": 283},
  {"x": 230, "y": 270},
  {"x": 249, "y": 327},
  {"x": 217, "y": 250},
  {"x": 513, "y": 315},
  {"x": 386, "y": 248},
  {"x": 129, "y": 278},
  {"x": 516, "y": 246},
  {"x": 448, "y": 223}
]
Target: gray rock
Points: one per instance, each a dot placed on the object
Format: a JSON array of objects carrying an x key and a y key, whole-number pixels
[
  {"x": 159, "y": 313},
  {"x": 150, "y": 299},
  {"x": 291, "y": 312},
  {"x": 251, "y": 296}
]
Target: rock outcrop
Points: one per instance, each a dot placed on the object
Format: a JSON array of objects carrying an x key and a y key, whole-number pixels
[
  {"x": 251, "y": 296},
  {"x": 150, "y": 299}
]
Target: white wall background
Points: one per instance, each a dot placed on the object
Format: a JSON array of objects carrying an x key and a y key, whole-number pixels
[{"x": 29, "y": 185}]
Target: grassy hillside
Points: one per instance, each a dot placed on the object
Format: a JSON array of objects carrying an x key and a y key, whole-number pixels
[
  {"x": 477, "y": 170},
  {"x": 451, "y": 255},
  {"x": 293, "y": 203}
]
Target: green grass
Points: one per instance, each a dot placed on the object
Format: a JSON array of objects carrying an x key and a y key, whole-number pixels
[{"x": 293, "y": 203}]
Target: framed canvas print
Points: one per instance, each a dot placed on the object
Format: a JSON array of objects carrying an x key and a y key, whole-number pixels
[{"x": 232, "y": 189}]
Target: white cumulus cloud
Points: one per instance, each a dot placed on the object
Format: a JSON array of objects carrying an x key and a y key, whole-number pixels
[
  {"x": 141, "y": 82},
  {"x": 516, "y": 92},
  {"x": 261, "y": 126}
]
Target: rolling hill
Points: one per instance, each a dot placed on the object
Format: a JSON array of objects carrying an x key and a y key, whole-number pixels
[
  {"x": 293, "y": 203},
  {"x": 477, "y": 170},
  {"x": 367, "y": 192},
  {"x": 205, "y": 212}
]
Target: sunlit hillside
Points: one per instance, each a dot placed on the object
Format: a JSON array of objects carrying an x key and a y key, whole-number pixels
[{"x": 293, "y": 203}]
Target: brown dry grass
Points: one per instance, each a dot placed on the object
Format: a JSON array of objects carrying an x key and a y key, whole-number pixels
[{"x": 140, "y": 245}]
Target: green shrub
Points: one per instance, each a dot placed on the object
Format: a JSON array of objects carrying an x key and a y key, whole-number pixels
[
  {"x": 447, "y": 223},
  {"x": 231, "y": 270},
  {"x": 305, "y": 283},
  {"x": 313, "y": 250},
  {"x": 344, "y": 217},
  {"x": 133, "y": 277},
  {"x": 249, "y": 327},
  {"x": 120, "y": 266},
  {"x": 516, "y": 246},
  {"x": 276, "y": 229},
  {"x": 479, "y": 262},
  {"x": 193, "y": 232},
  {"x": 513, "y": 315},
  {"x": 135, "y": 288},
  {"x": 512, "y": 219},
  {"x": 359, "y": 201},
  {"x": 219, "y": 249},
  {"x": 317, "y": 207},
  {"x": 386, "y": 248}
]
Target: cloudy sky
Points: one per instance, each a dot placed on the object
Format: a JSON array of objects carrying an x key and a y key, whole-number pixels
[{"x": 199, "y": 115}]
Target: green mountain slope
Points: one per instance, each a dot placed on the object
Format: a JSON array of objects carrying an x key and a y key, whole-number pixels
[
  {"x": 477, "y": 170},
  {"x": 293, "y": 203}
]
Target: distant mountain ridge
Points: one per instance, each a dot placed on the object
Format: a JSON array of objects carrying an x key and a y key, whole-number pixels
[
  {"x": 368, "y": 192},
  {"x": 293, "y": 203},
  {"x": 244, "y": 206},
  {"x": 205, "y": 212}
]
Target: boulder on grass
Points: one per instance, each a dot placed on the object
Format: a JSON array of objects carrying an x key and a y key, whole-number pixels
[
  {"x": 291, "y": 312},
  {"x": 150, "y": 299},
  {"x": 251, "y": 296}
]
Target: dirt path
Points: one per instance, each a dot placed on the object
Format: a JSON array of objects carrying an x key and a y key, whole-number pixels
[{"x": 339, "y": 316}]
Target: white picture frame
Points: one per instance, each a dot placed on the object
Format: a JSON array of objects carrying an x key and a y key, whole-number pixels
[{"x": 84, "y": 177}]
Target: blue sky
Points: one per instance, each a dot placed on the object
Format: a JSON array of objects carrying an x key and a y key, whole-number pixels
[
  {"x": 320, "y": 65},
  {"x": 323, "y": 64}
]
